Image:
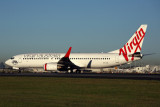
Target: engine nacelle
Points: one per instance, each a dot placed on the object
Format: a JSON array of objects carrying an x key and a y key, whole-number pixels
[{"x": 50, "y": 67}]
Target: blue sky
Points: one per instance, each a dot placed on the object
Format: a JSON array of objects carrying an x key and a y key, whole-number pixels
[{"x": 30, "y": 26}]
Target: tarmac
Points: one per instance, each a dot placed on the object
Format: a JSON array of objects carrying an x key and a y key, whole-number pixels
[{"x": 88, "y": 75}]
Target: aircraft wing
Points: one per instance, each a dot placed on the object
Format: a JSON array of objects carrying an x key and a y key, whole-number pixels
[{"x": 65, "y": 62}]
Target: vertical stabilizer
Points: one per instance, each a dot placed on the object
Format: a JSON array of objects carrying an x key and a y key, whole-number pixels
[{"x": 134, "y": 44}]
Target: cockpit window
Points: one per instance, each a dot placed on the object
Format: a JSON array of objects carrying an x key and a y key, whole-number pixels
[{"x": 12, "y": 58}]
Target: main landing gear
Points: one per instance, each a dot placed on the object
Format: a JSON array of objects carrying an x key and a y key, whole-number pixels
[
  {"x": 71, "y": 71},
  {"x": 78, "y": 71},
  {"x": 19, "y": 71}
]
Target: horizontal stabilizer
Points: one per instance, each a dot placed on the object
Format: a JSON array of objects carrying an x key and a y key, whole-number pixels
[{"x": 137, "y": 54}]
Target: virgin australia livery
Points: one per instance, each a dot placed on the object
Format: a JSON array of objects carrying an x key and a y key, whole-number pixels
[{"x": 82, "y": 61}]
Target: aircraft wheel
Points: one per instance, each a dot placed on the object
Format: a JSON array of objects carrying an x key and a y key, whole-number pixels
[
  {"x": 19, "y": 71},
  {"x": 78, "y": 71},
  {"x": 70, "y": 71}
]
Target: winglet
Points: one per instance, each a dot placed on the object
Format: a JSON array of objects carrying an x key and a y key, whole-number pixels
[{"x": 68, "y": 53}]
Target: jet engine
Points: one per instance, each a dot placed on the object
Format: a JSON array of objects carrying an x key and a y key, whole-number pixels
[
  {"x": 55, "y": 67},
  {"x": 50, "y": 67}
]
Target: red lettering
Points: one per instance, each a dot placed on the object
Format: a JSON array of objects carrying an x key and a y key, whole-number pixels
[
  {"x": 131, "y": 45},
  {"x": 137, "y": 35},
  {"x": 132, "y": 57},
  {"x": 134, "y": 44},
  {"x": 124, "y": 53},
  {"x": 129, "y": 48},
  {"x": 141, "y": 31}
]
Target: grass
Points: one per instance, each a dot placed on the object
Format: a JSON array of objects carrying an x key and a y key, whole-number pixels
[{"x": 78, "y": 92}]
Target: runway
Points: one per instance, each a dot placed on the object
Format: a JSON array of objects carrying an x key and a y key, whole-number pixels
[{"x": 88, "y": 75}]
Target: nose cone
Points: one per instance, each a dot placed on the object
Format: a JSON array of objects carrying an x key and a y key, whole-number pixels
[{"x": 8, "y": 62}]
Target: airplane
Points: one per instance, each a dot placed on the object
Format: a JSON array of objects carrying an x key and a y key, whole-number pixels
[{"x": 77, "y": 62}]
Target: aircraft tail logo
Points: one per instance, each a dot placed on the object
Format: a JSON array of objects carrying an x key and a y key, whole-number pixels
[{"x": 134, "y": 44}]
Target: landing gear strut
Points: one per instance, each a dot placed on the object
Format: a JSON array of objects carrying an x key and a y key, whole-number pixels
[
  {"x": 78, "y": 71},
  {"x": 71, "y": 71},
  {"x": 19, "y": 71}
]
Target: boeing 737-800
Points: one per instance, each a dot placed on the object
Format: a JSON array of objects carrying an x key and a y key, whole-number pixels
[{"x": 82, "y": 61}]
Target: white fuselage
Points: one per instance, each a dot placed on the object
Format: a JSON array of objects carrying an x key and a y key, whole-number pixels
[
  {"x": 85, "y": 60},
  {"x": 69, "y": 61}
]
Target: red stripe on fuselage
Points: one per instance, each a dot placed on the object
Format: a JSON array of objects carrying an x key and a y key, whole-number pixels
[{"x": 45, "y": 67}]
